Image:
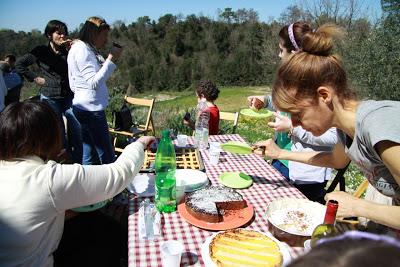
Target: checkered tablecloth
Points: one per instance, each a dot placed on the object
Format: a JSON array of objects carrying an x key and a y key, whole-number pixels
[{"x": 268, "y": 185}]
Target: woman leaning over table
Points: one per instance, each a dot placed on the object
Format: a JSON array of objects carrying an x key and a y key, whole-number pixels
[
  {"x": 35, "y": 191},
  {"x": 88, "y": 73},
  {"x": 310, "y": 180},
  {"x": 312, "y": 86}
]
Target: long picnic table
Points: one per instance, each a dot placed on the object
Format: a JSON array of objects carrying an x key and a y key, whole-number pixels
[{"x": 268, "y": 185}]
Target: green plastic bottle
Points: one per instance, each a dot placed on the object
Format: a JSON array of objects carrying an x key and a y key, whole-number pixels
[{"x": 165, "y": 166}]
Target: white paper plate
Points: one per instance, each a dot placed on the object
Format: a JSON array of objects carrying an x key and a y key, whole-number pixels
[
  {"x": 143, "y": 185},
  {"x": 192, "y": 179},
  {"x": 205, "y": 250}
]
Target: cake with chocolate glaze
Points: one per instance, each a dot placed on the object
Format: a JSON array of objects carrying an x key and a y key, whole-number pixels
[{"x": 212, "y": 202}]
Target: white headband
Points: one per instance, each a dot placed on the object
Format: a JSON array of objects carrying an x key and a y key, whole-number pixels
[{"x": 291, "y": 37}]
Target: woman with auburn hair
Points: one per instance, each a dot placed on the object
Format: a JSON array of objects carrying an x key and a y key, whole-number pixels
[
  {"x": 312, "y": 86},
  {"x": 310, "y": 180},
  {"x": 35, "y": 192}
]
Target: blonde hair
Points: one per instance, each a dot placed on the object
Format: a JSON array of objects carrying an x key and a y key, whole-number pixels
[
  {"x": 92, "y": 27},
  {"x": 314, "y": 65}
]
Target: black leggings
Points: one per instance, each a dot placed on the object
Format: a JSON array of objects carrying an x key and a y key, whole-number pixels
[
  {"x": 314, "y": 192},
  {"x": 92, "y": 239}
]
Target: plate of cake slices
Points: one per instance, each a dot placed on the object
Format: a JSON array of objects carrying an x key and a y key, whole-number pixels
[
  {"x": 245, "y": 248},
  {"x": 216, "y": 208}
]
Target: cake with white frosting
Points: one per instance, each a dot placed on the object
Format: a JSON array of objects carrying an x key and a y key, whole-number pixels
[{"x": 212, "y": 202}]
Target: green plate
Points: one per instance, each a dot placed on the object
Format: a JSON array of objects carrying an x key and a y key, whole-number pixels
[
  {"x": 236, "y": 147},
  {"x": 262, "y": 113},
  {"x": 236, "y": 180},
  {"x": 92, "y": 207}
]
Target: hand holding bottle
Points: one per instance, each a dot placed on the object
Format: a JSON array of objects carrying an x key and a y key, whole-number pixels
[{"x": 347, "y": 203}]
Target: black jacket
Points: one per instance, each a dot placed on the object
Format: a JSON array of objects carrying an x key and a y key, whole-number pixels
[{"x": 53, "y": 68}]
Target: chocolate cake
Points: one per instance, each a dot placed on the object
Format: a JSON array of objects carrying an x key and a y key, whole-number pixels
[{"x": 212, "y": 202}]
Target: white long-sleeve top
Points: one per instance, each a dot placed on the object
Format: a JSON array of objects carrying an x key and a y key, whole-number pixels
[
  {"x": 34, "y": 196},
  {"x": 305, "y": 141},
  {"x": 87, "y": 77}
]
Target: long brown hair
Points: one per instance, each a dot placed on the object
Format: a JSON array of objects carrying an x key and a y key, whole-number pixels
[
  {"x": 29, "y": 128},
  {"x": 314, "y": 65}
]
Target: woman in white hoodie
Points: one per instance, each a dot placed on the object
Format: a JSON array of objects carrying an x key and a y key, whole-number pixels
[{"x": 35, "y": 191}]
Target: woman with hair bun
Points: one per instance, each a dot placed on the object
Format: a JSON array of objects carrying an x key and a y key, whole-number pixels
[
  {"x": 312, "y": 86},
  {"x": 310, "y": 180}
]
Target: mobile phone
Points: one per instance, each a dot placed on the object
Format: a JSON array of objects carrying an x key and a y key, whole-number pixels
[
  {"x": 117, "y": 45},
  {"x": 187, "y": 116}
]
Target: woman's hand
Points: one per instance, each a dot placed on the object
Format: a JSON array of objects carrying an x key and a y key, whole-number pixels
[
  {"x": 256, "y": 102},
  {"x": 39, "y": 81},
  {"x": 347, "y": 203},
  {"x": 146, "y": 141},
  {"x": 115, "y": 53},
  {"x": 271, "y": 149},
  {"x": 281, "y": 124}
]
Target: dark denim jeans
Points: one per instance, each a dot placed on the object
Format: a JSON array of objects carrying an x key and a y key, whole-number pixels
[
  {"x": 72, "y": 141},
  {"x": 281, "y": 168},
  {"x": 95, "y": 136}
]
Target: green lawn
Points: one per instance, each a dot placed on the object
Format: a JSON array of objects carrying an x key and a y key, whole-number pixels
[{"x": 169, "y": 113}]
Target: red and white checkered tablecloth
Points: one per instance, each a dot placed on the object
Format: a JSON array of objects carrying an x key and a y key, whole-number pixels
[{"x": 268, "y": 185}]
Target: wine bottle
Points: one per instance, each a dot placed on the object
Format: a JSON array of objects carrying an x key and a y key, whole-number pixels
[{"x": 326, "y": 229}]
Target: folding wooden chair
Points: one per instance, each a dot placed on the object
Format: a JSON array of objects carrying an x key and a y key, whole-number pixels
[
  {"x": 141, "y": 129},
  {"x": 230, "y": 116}
]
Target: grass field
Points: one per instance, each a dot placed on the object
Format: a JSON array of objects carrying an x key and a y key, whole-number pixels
[{"x": 169, "y": 113}]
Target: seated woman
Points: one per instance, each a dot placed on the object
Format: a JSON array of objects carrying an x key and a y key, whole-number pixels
[
  {"x": 35, "y": 191},
  {"x": 207, "y": 91}
]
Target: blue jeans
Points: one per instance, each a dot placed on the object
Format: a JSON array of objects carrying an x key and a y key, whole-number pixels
[
  {"x": 281, "y": 168},
  {"x": 95, "y": 136},
  {"x": 72, "y": 141}
]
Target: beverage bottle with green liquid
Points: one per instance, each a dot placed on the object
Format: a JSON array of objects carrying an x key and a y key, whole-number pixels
[
  {"x": 165, "y": 166},
  {"x": 326, "y": 229}
]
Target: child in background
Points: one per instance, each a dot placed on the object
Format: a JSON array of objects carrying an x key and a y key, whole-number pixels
[{"x": 209, "y": 91}]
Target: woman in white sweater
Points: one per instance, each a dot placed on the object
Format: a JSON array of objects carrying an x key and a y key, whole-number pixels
[
  {"x": 88, "y": 72},
  {"x": 35, "y": 191}
]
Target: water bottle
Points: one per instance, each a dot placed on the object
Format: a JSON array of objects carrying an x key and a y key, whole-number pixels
[
  {"x": 201, "y": 129},
  {"x": 165, "y": 166}
]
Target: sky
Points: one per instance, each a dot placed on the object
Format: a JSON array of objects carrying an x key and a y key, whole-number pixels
[{"x": 25, "y": 15}]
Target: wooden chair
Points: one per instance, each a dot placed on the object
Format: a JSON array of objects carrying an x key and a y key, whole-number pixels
[
  {"x": 141, "y": 129},
  {"x": 230, "y": 116}
]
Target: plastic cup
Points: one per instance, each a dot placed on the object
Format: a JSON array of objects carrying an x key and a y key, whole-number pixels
[
  {"x": 180, "y": 190},
  {"x": 171, "y": 253},
  {"x": 182, "y": 140},
  {"x": 215, "y": 149}
]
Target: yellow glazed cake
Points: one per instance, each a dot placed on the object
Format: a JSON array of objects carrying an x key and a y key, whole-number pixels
[{"x": 240, "y": 247}]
